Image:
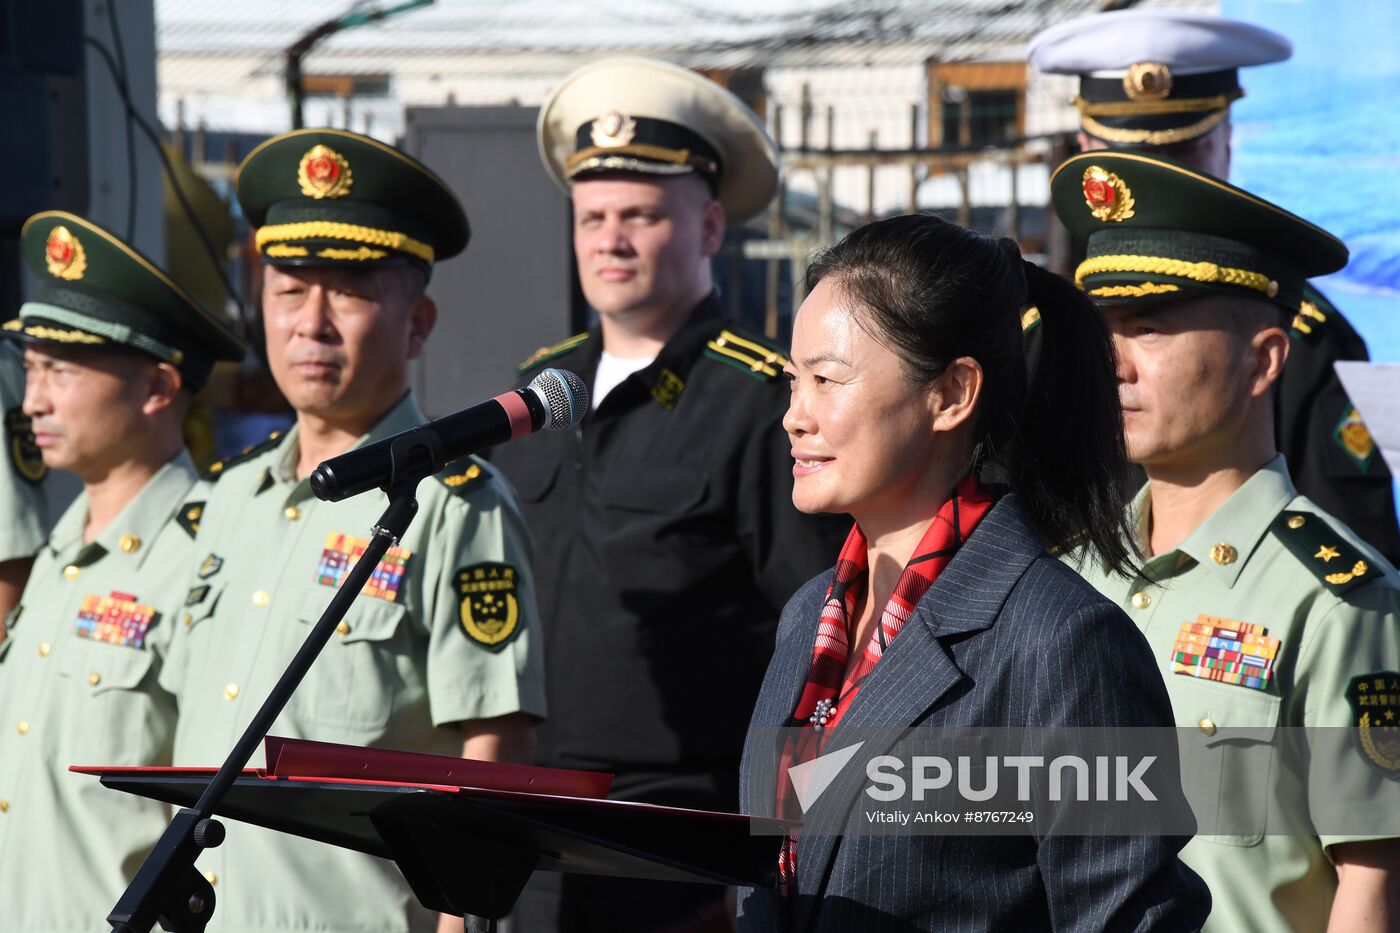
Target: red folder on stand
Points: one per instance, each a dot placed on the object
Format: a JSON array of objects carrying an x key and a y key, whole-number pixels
[{"x": 468, "y": 834}]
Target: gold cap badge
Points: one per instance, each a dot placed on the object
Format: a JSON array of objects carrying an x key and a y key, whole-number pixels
[
  {"x": 65, "y": 255},
  {"x": 1108, "y": 196},
  {"x": 1147, "y": 81},
  {"x": 324, "y": 173},
  {"x": 613, "y": 129}
]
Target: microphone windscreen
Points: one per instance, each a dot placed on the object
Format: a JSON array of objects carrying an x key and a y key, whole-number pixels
[{"x": 565, "y": 397}]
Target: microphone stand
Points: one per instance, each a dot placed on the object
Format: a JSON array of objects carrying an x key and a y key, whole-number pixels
[{"x": 168, "y": 888}]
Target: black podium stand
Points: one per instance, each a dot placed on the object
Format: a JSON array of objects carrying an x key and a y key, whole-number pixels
[{"x": 468, "y": 835}]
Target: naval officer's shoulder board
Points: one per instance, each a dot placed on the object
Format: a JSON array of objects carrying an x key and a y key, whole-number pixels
[
  {"x": 749, "y": 353},
  {"x": 545, "y": 354}
]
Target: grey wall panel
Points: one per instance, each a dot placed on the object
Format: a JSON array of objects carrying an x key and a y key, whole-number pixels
[{"x": 513, "y": 289}]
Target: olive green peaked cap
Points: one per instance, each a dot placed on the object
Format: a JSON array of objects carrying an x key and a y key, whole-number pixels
[
  {"x": 323, "y": 197},
  {"x": 97, "y": 291},
  {"x": 1157, "y": 229}
]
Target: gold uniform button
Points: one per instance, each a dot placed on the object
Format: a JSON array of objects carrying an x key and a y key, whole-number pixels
[
  {"x": 4, "y": 806},
  {"x": 343, "y": 628},
  {"x": 1207, "y": 726},
  {"x": 231, "y": 691},
  {"x": 292, "y": 512},
  {"x": 187, "y": 618},
  {"x": 44, "y": 649},
  {"x": 261, "y": 598},
  {"x": 94, "y": 678},
  {"x": 1141, "y": 600},
  {"x": 1295, "y": 522},
  {"x": 71, "y": 571},
  {"x": 1224, "y": 554},
  {"x": 212, "y": 878},
  {"x": 129, "y": 544},
  {"x": 22, "y": 727}
]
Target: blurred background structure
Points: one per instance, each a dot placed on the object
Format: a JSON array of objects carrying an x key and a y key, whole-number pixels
[{"x": 879, "y": 107}]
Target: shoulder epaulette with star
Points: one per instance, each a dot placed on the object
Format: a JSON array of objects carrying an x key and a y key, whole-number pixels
[
  {"x": 545, "y": 354},
  {"x": 217, "y": 468},
  {"x": 1330, "y": 557},
  {"x": 749, "y": 354},
  {"x": 461, "y": 476}
]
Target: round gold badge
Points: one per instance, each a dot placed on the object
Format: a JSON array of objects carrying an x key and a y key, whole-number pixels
[
  {"x": 1147, "y": 81},
  {"x": 1109, "y": 198},
  {"x": 64, "y": 255},
  {"x": 613, "y": 129},
  {"x": 324, "y": 173}
]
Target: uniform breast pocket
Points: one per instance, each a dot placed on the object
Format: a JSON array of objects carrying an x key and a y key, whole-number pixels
[
  {"x": 642, "y": 489},
  {"x": 366, "y": 672},
  {"x": 115, "y": 703},
  {"x": 1228, "y": 758}
]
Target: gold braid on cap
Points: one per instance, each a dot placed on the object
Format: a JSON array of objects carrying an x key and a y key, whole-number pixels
[
  {"x": 329, "y": 230},
  {"x": 1128, "y": 137},
  {"x": 678, "y": 157},
  {"x": 1152, "y": 108},
  {"x": 1206, "y": 272}
]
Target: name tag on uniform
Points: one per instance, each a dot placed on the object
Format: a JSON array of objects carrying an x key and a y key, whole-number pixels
[
  {"x": 1212, "y": 648},
  {"x": 342, "y": 551},
  {"x": 117, "y": 619}
]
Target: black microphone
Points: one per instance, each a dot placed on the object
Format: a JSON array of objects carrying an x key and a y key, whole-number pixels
[{"x": 555, "y": 399}]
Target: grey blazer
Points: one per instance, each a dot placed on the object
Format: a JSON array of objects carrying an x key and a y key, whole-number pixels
[{"x": 991, "y": 643}]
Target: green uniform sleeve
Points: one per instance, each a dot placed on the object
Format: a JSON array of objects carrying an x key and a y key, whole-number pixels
[
  {"x": 1353, "y": 770},
  {"x": 484, "y": 652}
]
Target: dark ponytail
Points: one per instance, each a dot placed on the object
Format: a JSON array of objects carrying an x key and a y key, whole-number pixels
[{"x": 933, "y": 291}]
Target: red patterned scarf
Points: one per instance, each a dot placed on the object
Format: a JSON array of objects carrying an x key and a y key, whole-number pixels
[{"x": 829, "y": 690}]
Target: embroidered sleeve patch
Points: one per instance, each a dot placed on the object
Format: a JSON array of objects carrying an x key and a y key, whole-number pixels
[
  {"x": 24, "y": 452},
  {"x": 117, "y": 619},
  {"x": 489, "y": 606},
  {"x": 1355, "y": 440},
  {"x": 1375, "y": 712},
  {"x": 1231, "y": 652},
  {"x": 188, "y": 519},
  {"x": 342, "y": 551}
]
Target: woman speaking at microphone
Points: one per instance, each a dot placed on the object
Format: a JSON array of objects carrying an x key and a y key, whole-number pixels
[{"x": 944, "y": 608}]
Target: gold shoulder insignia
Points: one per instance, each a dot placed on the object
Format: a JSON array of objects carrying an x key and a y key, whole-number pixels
[
  {"x": 1331, "y": 558},
  {"x": 188, "y": 518},
  {"x": 218, "y": 467},
  {"x": 1309, "y": 318},
  {"x": 463, "y": 475},
  {"x": 758, "y": 359},
  {"x": 544, "y": 354}
]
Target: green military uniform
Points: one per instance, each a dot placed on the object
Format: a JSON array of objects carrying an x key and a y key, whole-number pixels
[
  {"x": 1157, "y": 81},
  {"x": 86, "y": 642},
  {"x": 444, "y": 633},
  {"x": 78, "y": 686},
  {"x": 31, "y": 496},
  {"x": 422, "y": 649},
  {"x": 1256, "y": 560},
  {"x": 1271, "y": 616}
]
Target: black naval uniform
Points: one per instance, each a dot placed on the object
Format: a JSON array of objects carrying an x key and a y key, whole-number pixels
[
  {"x": 1332, "y": 462},
  {"x": 667, "y": 544}
]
